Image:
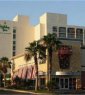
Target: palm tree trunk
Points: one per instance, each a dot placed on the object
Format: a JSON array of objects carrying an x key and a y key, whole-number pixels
[
  {"x": 36, "y": 66},
  {"x": 4, "y": 79},
  {"x": 50, "y": 63}
]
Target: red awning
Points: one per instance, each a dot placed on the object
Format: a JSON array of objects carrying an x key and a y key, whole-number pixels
[
  {"x": 27, "y": 72},
  {"x": 15, "y": 74},
  {"x": 24, "y": 73},
  {"x": 20, "y": 72}
]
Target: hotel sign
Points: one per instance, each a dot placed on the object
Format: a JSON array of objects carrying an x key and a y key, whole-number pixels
[{"x": 4, "y": 27}]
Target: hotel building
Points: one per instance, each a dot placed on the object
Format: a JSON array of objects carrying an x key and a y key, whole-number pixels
[
  {"x": 14, "y": 36},
  {"x": 68, "y": 73}
]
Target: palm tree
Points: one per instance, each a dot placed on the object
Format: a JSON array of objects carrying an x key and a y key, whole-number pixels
[
  {"x": 33, "y": 50},
  {"x": 4, "y": 64},
  {"x": 51, "y": 43}
]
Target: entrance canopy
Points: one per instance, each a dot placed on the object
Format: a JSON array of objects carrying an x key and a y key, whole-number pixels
[{"x": 67, "y": 73}]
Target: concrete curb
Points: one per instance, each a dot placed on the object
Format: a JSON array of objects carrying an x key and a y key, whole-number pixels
[{"x": 26, "y": 92}]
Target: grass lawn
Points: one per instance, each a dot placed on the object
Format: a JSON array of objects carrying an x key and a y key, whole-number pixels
[{"x": 42, "y": 91}]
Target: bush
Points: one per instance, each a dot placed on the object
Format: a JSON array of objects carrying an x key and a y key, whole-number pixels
[{"x": 51, "y": 85}]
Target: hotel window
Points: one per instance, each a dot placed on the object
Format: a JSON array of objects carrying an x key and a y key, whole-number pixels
[
  {"x": 71, "y": 32},
  {"x": 14, "y": 42},
  {"x": 62, "y": 32},
  {"x": 79, "y": 33},
  {"x": 14, "y": 47},
  {"x": 14, "y": 31},
  {"x": 72, "y": 83},
  {"x": 14, "y": 53},
  {"x": 14, "y": 36},
  {"x": 54, "y": 28}
]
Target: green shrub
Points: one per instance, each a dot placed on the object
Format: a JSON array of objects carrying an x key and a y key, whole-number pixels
[{"x": 51, "y": 85}]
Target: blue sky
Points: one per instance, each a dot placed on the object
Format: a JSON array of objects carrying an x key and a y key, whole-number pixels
[{"x": 75, "y": 9}]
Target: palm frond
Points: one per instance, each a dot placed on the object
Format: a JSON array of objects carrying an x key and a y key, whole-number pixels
[{"x": 27, "y": 56}]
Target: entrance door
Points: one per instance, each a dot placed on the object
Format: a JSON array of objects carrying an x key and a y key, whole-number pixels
[{"x": 64, "y": 83}]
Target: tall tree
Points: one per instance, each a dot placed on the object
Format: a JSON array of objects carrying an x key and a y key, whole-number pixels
[
  {"x": 33, "y": 50},
  {"x": 51, "y": 43}
]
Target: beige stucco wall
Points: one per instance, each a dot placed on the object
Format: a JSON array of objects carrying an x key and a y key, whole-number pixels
[
  {"x": 40, "y": 31},
  {"x": 6, "y": 39},
  {"x": 43, "y": 67},
  {"x": 19, "y": 62},
  {"x": 24, "y": 33},
  {"x": 55, "y": 20},
  {"x": 5, "y": 47},
  {"x": 37, "y": 32},
  {"x": 43, "y": 22}
]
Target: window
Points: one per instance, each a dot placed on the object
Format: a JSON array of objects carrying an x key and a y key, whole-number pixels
[
  {"x": 62, "y": 32},
  {"x": 54, "y": 28},
  {"x": 72, "y": 83},
  {"x": 14, "y": 47},
  {"x": 14, "y": 42},
  {"x": 64, "y": 63},
  {"x": 14, "y": 53},
  {"x": 62, "y": 29},
  {"x": 14, "y": 31},
  {"x": 79, "y": 33},
  {"x": 71, "y": 32},
  {"x": 62, "y": 35},
  {"x": 14, "y": 36}
]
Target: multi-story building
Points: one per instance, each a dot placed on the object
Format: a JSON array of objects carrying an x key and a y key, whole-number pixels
[
  {"x": 14, "y": 36},
  {"x": 67, "y": 73}
]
